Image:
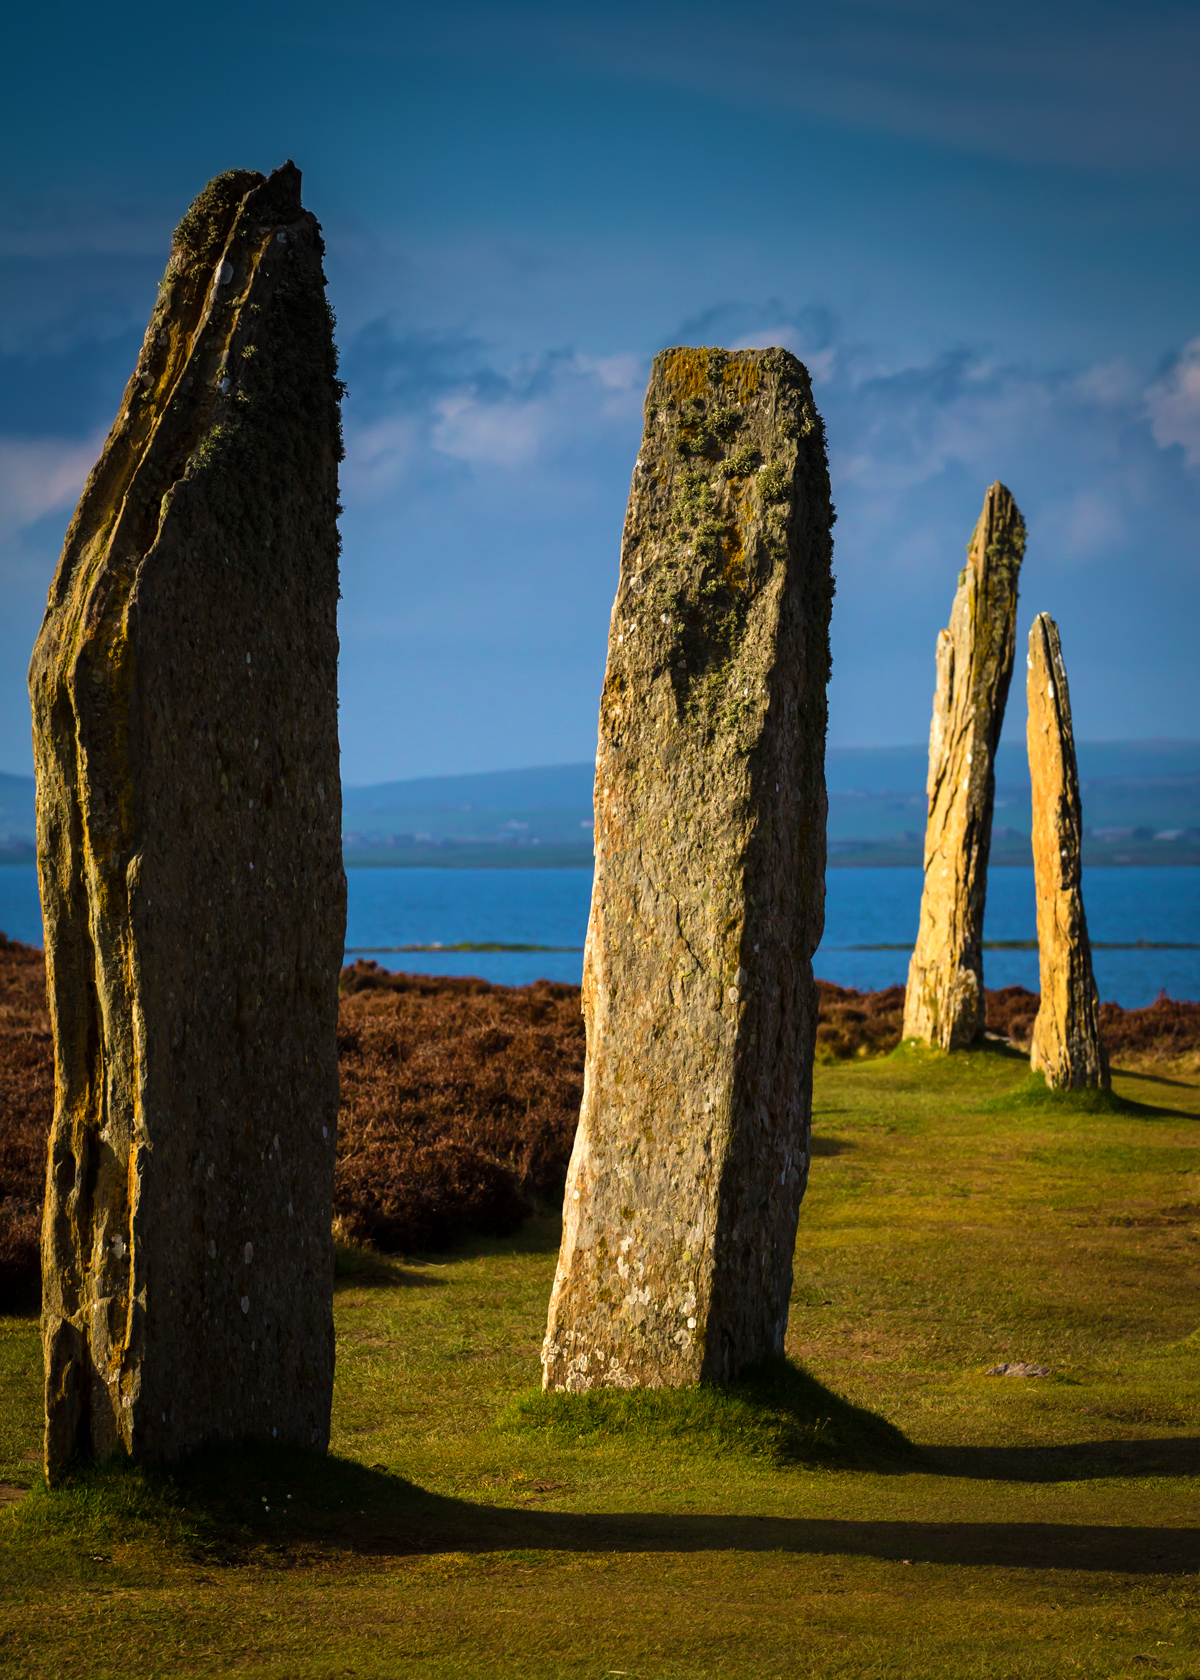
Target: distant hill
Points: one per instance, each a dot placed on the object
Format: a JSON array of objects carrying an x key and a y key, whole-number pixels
[
  {"x": 1141, "y": 803},
  {"x": 16, "y": 818},
  {"x": 903, "y": 769},
  {"x": 1133, "y": 792},
  {"x": 878, "y": 793}
]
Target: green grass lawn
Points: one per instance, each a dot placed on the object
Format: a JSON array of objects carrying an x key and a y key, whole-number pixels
[{"x": 1038, "y": 1526}]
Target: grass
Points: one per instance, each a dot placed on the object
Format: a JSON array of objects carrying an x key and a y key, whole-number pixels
[
  {"x": 466, "y": 1525},
  {"x": 776, "y": 1412},
  {"x": 1033, "y": 1092}
]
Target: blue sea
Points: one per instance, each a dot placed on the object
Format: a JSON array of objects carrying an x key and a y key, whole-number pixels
[{"x": 863, "y": 907}]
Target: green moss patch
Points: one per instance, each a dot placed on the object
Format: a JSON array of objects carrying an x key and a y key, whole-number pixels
[
  {"x": 1034, "y": 1093},
  {"x": 776, "y": 1412}
]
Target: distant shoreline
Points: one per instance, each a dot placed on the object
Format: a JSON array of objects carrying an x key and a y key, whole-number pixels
[{"x": 871, "y": 855}]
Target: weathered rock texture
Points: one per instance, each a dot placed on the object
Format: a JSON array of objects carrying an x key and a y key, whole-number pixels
[
  {"x": 692, "y": 1150},
  {"x": 1066, "y": 1034},
  {"x": 185, "y": 737},
  {"x": 943, "y": 1002}
]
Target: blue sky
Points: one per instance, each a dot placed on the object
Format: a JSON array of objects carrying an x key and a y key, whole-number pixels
[{"x": 977, "y": 225}]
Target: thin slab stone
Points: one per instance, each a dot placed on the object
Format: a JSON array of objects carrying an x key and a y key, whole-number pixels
[
  {"x": 692, "y": 1150},
  {"x": 1066, "y": 1043},
  {"x": 943, "y": 1003},
  {"x": 184, "y": 703}
]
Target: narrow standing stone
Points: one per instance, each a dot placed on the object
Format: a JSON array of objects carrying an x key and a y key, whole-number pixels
[
  {"x": 692, "y": 1150},
  {"x": 944, "y": 1004},
  {"x": 185, "y": 740},
  {"x": 1066, "y": 1035}
]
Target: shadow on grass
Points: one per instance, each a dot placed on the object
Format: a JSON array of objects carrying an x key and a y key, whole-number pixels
[
  {"x": 1074, "y": 1461},
  {"x": 1154, "y": 1079},
  {"x": 362, "y": 1267},
  {"x": 824, "y": 1146},
  {"x": 272, "y": 1506},
  {"x": 540, "y": 1233},
  {"x": 775, "y": 1412}
]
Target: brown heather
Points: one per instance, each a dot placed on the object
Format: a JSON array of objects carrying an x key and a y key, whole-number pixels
[
  {"x": 458, "y": 1098},
  {"x": 26, "y": 1108},
  {"x": 459, "y": 1102}
]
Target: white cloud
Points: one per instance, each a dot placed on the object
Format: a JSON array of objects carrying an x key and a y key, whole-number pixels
[
  {"x": 443, "y": 401},
  {"x": 1173, "y": 404},
  {"x": 39, "y": 476},
  {"x": 379, "y": 455},
  {"x": 615, "y": 373},
  {"x": 505, "y": 434}
]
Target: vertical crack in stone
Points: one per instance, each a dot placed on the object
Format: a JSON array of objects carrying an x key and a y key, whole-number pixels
[
  {"x": 692, "y": 1150},
  {"x": 943, "y": 1004},
  {"x": 1066, "y": 1034},
  {"x": 183, "y": 687}
]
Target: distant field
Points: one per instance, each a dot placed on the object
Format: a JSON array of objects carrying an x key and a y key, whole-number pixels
[{"x": 1045, "y": 1526}]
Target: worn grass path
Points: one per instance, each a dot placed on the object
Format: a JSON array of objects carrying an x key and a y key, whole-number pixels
[{"x": 1047, "y": 1527}]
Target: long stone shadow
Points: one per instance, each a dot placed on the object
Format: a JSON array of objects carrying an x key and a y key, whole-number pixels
[
  {"x": 1073, "y": 1461},
  {"x": 1140, "y": 1550},
  {"x": 1159, "y": 1079},
  {"x": 369, "y": 1273},
  {"x": 343, "y": 1506}
]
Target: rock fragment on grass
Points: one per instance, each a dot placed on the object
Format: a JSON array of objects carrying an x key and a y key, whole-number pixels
[
  {"x": 185, "y": 739},
  {"x": 692, "y": 1150},
  {"x": 1018, "y": 1368},
  {"x": 1066, "y": 1044},
  {"x": 944, "y": 1003}
]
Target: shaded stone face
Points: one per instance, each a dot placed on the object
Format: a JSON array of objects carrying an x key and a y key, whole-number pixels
[
  {"x": 1066, "y": 1034},
  {"x": 692, "y": 1150},
  {"x": 185, "y": 736},
  {"x": 944, "y": 1004}
]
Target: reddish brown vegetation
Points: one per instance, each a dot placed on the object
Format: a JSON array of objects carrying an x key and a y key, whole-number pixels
[
  {"x": 459, "y": 1103},
  {"x": 26, "y": 1105},
  {"x": 868, "y": 1024},
  {"x": 1168, "y": 1031},
  {"x": 459, "y": 1099},
  {"x": 851, "y": 1023}
]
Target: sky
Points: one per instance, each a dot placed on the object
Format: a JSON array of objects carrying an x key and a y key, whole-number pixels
[{"x": 978, "y": 227}]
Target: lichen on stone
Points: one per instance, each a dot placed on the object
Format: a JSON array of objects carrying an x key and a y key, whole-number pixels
[
  {"x": 1066, "y": 1044},
  {"x": 944, "y": 1003},
  {"x": 183, "y": 688},
  {"x": 691, "y": 1154}
]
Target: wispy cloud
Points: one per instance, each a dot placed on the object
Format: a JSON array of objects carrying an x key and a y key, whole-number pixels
[
  {"x": 425, "y": 405},
  {"x": 1173, "y": 404},
  {"x": 1084, "y": 83},
  {"x": 40, "y": 476}
]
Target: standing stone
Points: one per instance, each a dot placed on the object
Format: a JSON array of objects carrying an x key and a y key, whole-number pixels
[
  {"x": 944, "y": 1004},
  {"x": 185, "y": 739},
  {"x": 1066, "y": 1035},
  {"x": 692, "y": 1150}
]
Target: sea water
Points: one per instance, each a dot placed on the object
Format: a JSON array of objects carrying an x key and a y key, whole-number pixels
[{"x": 866, "y": 910}]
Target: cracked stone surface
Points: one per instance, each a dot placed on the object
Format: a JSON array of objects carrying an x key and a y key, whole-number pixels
[
  {"x": 943, "y": 1003},
  {"x": 1066, "y": 1043},
  {"x": 708, "y": 901},
  {"x": 184, "y": 700}
]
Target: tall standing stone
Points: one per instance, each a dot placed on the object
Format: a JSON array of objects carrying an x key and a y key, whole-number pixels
[
  {"x": 1066, "y": 1035},
  {"x": 692, "y": 1150},
  {"x": 944, "y": 1004},
  {"x": 185, "y": 739}
]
